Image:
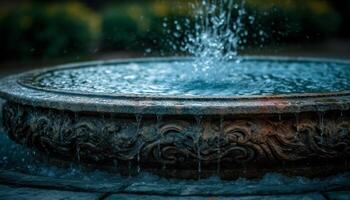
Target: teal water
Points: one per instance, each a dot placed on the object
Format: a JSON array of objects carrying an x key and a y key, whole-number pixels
[{"x": 234, "y": 78}]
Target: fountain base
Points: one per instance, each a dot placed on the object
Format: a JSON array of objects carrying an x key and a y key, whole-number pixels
[
  {"x": 185, "y": 146},
  {"x": 185, "y": 137}
]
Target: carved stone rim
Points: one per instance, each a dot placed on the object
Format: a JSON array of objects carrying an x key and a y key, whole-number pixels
[{"x": 17, "y": 89}]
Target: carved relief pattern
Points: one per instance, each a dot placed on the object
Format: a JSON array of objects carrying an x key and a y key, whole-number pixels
[{"x": 97, "y": 138}]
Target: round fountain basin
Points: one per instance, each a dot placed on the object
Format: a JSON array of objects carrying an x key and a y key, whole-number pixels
[{"x": 240, "y": 118}]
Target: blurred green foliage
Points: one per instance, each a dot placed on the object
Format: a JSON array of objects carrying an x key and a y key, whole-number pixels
[
  {"x": 292, "y": 21},
  {"x": 47, "y": 30},
  {"x": 32, "y": 31},
  {"x": 136, "y": 26}
]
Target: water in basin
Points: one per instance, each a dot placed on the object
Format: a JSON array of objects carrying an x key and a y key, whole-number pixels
[{"x": 227, "y": 78}]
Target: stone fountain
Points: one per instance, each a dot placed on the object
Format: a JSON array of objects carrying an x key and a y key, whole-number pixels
[{"x": 181, "y": 133}]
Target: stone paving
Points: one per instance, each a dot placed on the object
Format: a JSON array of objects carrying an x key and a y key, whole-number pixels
[
  {"x": 26, "y": 193},
  {"x": 14, "y": 185}
]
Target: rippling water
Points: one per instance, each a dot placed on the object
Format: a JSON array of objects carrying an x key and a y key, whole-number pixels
[{"x": 236, "y": 78}]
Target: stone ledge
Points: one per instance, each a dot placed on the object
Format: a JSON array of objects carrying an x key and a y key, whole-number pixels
[
  {"x": 312, "y": 196},
  {"x": 342, "y": 195},
  {"x": 25, "y": 193},
  {"x": 23, "y": 180}
]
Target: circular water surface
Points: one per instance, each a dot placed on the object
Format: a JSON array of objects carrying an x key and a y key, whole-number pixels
[{"x": 164, "y": 78}]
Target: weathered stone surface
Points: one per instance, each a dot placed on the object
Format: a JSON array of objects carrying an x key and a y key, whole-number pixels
[
  {"x": 256, "y": 144},
  {"x": 25, "y": 193},
  {"x": 13, "y": 193},
  {"x": 344, "y": 195},
  {"x": 236, "y": 188},
  {"x": 151, "y": 186},
  {"x": 313, "y": 196}
]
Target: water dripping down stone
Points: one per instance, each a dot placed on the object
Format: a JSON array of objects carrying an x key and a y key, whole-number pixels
[
  {"x": 160, "y": 137},
  {"x": 138, "y": 133},
  {"x": 220, "y": 136},
  {"x": 321, "y": 116},
  {"x": 199, "y": 138},
  {"x": 78, "y": 153},
  {"x": 297, "y": 121}
]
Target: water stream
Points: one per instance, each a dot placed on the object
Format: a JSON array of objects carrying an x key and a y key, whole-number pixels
[{"x": 215, "y": 35}]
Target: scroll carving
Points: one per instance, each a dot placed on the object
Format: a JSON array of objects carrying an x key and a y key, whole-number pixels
[{"x": 97, "y": 138}]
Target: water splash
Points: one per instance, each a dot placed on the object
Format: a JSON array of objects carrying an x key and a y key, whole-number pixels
[{"x": 214, "y": 36}]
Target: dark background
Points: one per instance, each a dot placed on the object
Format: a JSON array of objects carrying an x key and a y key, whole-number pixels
[{"x": 37, "y": 33}]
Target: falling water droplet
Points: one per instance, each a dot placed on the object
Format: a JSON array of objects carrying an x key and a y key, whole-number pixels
[
  {"x": 178, "y": 27},
  {"x": 129, "y": 168},
  {"x": 321, "y": 115},
  {"x": 60, "y": 129},
  {"x": 148, "y": 50},
  {"x": 297, "y": 121},
  {"x": 221, "y": 132},
  {"x": 115, "y": 163},
  {"x": 160, "y": 136},
  {"x": 199, "y": 137},
  {"x": 75, "y": 117},
  {"x": 103, "y": 117},
  {"x": 138, "y": 162},
  {"x": 78, "y": 152},
  {"x": 138, "y": 124}
]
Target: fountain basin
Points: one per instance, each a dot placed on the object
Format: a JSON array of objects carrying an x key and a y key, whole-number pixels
[{"x": 180, "y": 135}]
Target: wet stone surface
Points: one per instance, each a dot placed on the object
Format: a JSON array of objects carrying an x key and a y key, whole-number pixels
[
  {"x": 343, "y": 195},
  {"x": 313, "y": 196},
  {"x": 26, "y": 193},
  {"x": 14, "y": 185},
  {"x": 18, "y": 193},
  {"x": 186, "y": 147},
  {"x": 21, "y": 186}
]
